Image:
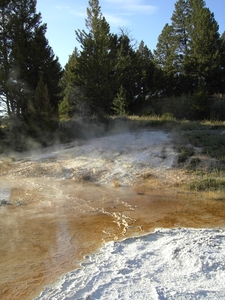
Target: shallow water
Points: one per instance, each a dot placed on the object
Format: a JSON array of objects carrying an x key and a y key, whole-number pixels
[
  {"x": 49, "y": 225},
  {"x": 62, "y": 203}
]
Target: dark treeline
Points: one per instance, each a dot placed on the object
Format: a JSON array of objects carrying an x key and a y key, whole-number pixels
[
  {"x": 29, "y": 71},
  {"x": 109, "y": 75}
]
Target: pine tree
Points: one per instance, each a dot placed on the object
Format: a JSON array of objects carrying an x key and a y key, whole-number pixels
[
  {"x": 180, "y": 24},
  {"x": 165, "y": 50},
  {"x": 189, "y": 50},
  {"x": 5, "y": 47},
  {"x": 146, "y": 65},
  {"x": 40, "y": 109},
  {"x": 26, "y": 57},
  {"x": 95, "y": 64},
  {"x": 204, "y": 46},
  {"x": 66, "y": 106},
  {"x": 127, "y": 70},
  {"x": 120, "y": 103},
  {"x": 44, "y": 63},
  {"x": 73, "y": 97},
  {"x": 23, "y": 19},
  {"x": 181, "y": 28},
  {"x": 222, "y": 65},
  {"x": 173, "y": 49},
  {"x": 166, "y": 58}
]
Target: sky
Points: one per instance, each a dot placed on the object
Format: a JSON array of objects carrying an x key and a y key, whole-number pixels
[{"x": 142, "y": 19}]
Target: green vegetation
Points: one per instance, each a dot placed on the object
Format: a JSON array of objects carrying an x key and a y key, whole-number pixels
[
  {"x": 209, "y": 137},
  {"x": 29, "y": 71},
  {"x": 184, "y": 154},
  {"x": 209, "y": 184}
]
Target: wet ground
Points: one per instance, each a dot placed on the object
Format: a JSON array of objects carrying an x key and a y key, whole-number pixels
[
  {"x": 49, "y": 220},
  {"x": 47, "y": 236}
]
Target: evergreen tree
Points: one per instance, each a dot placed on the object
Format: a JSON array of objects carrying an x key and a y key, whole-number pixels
[
  {"x": 166, "y": 58},
  {"x": 25, "y": 57},
  {"x": 181, "y": 28},
  {"x": 204, "y": 47},
  {"x": 173, "y": 50},
  {"x": 73, "y": 100},
  {"x": 5, "y": 47},
  {"x": 189, "y": 50},
  {"x": 146, "y": 84},
  {"x": 222, "y": 66},
  {"x": 40, "y": 109},
  {"x": 95, "y": 64},
  {"x": 165, "y": 54},
  {"x": 120, "y": 103},
  {"x": 127, "y": 70},
  {"x": 105, "y": 63},
  {"x": 44, "y": 63},
  {"x": 180, "y": 24}
]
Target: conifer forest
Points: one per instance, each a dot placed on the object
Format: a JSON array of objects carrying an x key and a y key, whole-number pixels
[{"x": 109, "y": 75}]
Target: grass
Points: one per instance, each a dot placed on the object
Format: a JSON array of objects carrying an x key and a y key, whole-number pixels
[
  {"x": 209, "y": 138},
  {"x": 209, "y": 184},
  {"x": 212, "y": 141},
  {"x": 184, "y": 154},
  {"x": 166, "y": 122}
]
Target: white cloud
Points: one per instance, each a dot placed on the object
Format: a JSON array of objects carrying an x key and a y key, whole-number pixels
[
  {"x": 119, "y": 12},
  {"x": 132, "y": 6},
  {"x": 116, "y": 20},
  {"x": 80, "y": 11},
  {"x": 149, "y": 9}
]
